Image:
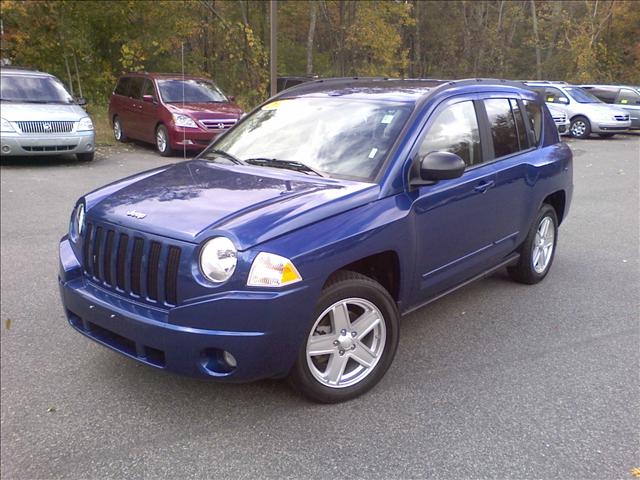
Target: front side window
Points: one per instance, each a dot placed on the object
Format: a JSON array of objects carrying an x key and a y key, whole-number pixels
[
  {"x": 455, "y": 130},
  {"x": 523, "y": 137},
  {"x": 336, "y": 136},
  {"x": 36, "y": 89},
  {"x": 190, "y": 91},
  {"x": 534, "y": 112},
  {"x": 148, "y": 89},
  {"x": 135, "y": 87},
  {"x": 628, "y": 97},
  {"x": 503, "y": 126}
]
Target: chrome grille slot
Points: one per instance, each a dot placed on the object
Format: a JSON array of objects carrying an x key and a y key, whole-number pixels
[
  {"x": 622, "y": 118},
  {"x": 45, "y": 127},
  {"x": 219, "y": 123}
]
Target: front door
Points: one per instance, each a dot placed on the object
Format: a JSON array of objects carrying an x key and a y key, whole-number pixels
[{"x": 454, "y": 219}]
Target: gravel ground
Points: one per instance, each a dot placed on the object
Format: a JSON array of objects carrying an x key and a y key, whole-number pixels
[{"x": 497, "y": 380}]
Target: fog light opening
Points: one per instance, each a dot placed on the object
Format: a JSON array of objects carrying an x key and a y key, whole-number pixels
[
  {"x": 6, "y": 149},
  {"x": 218, "y": 362},
  {"x": 89, "y": 147}
]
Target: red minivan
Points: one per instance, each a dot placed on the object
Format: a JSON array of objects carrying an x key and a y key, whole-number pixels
[{"x": 170, "y": 110}]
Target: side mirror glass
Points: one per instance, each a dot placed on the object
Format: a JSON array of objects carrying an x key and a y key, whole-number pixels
[
  {"x": 81, "y": 101},
  {"x": 441, "y": 166},
  {"x": 563, "y": 100},
  {"x": 148, "y": 98}
]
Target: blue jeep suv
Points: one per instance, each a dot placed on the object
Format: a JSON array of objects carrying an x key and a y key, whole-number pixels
[{"x": 293, "y": 244}]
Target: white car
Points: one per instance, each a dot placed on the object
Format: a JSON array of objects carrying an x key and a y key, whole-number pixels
[
  {"x": 39, "y": 117},
  {"x": 560, "y": 118},
  {"x": 586, "y": 113}
]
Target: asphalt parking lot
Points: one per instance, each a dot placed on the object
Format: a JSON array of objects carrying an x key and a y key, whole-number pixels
[{"x": 497, "y": 380}]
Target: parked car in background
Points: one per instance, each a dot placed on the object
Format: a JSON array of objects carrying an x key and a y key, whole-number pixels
[
  {"x": 39, "y": 117},
  {"x": 172, "y": 111},
  {"x": 560, "y": 118},
  {"x": 622, "y": 96},
  {"x": 291, "y": 246},
  {"x": 586, "y": 113}
]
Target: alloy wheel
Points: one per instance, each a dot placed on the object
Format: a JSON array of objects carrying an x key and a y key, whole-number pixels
[
  {"x": 543, "y": 245},
  {"x": 346, "y": 343}
]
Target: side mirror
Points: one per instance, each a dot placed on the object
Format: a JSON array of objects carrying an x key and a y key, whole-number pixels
[
  {"x": 232, "y": 98},
  {"x": 440, "y": 166},
  {"x": 563, "y": 100},
  {"x": 148, "y": 98},
  {"x": 81, "y": 101}
]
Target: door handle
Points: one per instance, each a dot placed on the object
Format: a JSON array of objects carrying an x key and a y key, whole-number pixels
[{"x": 484, "y": 186}]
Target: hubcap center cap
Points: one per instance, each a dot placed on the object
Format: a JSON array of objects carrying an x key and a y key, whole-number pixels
[{"x": 345, "y": 342}]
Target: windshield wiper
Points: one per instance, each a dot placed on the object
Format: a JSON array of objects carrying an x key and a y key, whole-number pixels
[
  {"x": 228, "y": 156},
  {"x": 288, "y": 164}
]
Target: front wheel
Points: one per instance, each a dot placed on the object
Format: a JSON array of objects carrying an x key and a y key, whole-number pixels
[
  {"x": 580, "y": 127},
  {"x": 351, "y": 342},
  {"x": 162, "y": 141},
  {"x": 538, "y": 249}
]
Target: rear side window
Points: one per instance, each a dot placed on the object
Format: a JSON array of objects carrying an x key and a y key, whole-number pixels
[
  {"x": 503, "y": 126},
  {"x": 550, "y": 94},
  {"x": 123, "y": 86},
  {"x": 628, "y": 97},
  {"x": 607, "y": 95},
  {"x": 455, "y": 130},
  {"x": 534, "y": 113}
]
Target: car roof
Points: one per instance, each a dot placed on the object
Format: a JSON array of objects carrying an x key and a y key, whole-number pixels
[
  {"x": 166, "y": 76},
  {"x": 24, "y": 71},
  {"x": 608, "y": 86},
  {"x": 403, "y": 90}
]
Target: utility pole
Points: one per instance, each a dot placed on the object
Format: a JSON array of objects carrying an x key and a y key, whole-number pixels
[{"x": 273, "y": 45}]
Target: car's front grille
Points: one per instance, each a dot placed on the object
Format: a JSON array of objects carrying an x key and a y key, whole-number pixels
[
  {"x": 45, "y": 127},
  {"x": 131, "y": 264},
  {"x": 219, "y": 123},
  {"x": 49, "y": 148},
  {"x": 560, "y": 118},
  {"x": 622, "y": 118}
]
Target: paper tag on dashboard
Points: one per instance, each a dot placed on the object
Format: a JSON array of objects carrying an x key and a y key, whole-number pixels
[{"x": 373, "y": 152}]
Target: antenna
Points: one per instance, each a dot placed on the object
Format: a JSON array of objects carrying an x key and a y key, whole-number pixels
[{"x": 184, "y": 133}]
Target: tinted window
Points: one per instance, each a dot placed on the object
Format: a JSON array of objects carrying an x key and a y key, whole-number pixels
[
  {"x": 607, "y": 95},
  {"x": 503, "y": 126},
  {"x": 523, "y": 137},
  {"x": 455, "y": 130},
  {"x": 148, "y": 89},
  {"x": 135, "y": 87},
  {"x": 534, "y": 113},
  {"x": 123, "y": 86},
  {"x": 628, "y": 97}
]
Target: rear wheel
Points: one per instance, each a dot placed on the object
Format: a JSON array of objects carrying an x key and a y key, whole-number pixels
[
  {"x": 351, "y": 342},
  {"x": 118, "y": 132},
  {"x": 606, "y": 135},
  {"x": 538, "y": 249},
  {"x": 162, "y": 141},
  {"x": 580, "y": 127}
]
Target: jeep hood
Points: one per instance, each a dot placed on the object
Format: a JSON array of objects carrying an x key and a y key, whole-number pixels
[{"x": 194, "y": 200}]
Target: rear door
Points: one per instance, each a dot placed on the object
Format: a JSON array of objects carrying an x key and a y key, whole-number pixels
[
  {"x": 454, "y": 219},
  {"x": 147, "y": 115},
  {"x": 134, "y": 101}
]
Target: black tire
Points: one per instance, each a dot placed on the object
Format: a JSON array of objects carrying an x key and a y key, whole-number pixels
[
  {"x": 118, "y": 131},
  {"x": 606, "y": 135},
  {"x": 524, "y": 271},
  {"x": 580, "y": 127},
  {"x": 85, "y": 157},
  {"x": 348, "y": 285},
  {"x": 164, "y": 149}
]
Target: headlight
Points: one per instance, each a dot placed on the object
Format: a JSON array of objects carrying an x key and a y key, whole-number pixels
[
  {"x": 6, "y": 126},
  {"x": 77, "y": 222},
  {"x": 269, "y": 270},
  {"x": 85, "y": 124},
  {"x": 218, "y": 259},
  {"x": 184, "y": 121}
]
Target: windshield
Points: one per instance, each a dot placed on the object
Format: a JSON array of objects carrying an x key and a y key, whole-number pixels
[
  {"x": 581, "y": 96},
  {"x": 195, "y": 91},
  {"x": 336, "y": 136},
  {"x": 23, "y": 88}
]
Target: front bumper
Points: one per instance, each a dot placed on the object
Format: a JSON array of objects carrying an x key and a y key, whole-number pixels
[
  {"x": 192, "y": 138},
  {"x": 19, "y": 144},
  {"x": 563, "y": 127},
  {"x": 273, "y": 325},
  {"x": 607, "y": 127}
]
